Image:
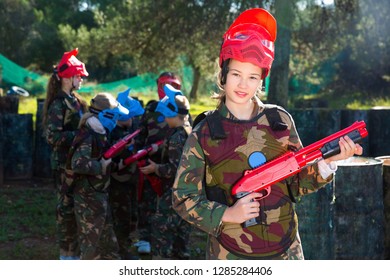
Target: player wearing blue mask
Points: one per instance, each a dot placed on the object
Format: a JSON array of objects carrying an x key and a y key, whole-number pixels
[
  {"x": 170, "y": 232},
  {"x": 91, "y": 178},
  {"x": 122, "y": 190}
]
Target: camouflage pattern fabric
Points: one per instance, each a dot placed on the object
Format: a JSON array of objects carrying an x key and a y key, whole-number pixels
[
  {"x": 213, "y": 166},
  {"x": 216, "y": 251},
  {"x": 122, "y": 188},
  {"x": 93, "y": 213},
  {"x": 153, "y": 128},
  {"x": 66, "y": 234},
  {"x": 63, "y": 119},
  {"x": 170, "y": 233},
  {"x": 64, "y": 116}
]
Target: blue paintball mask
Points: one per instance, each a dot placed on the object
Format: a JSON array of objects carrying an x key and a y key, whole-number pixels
[
  {"x": 131, "y": 104},
  {"x": 108, "y": 117},
  {"x": 167, "y": 106}
]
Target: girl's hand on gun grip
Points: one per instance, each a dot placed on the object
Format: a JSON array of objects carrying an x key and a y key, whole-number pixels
[{"x": 244, "y": 209}]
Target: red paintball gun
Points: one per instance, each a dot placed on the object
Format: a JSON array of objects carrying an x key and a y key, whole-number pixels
[
  {"x": 141, "y": 153},
  {"x": 154, "y": 180},
  {"x": 260, "y": 179},
  {"x": 117, "y": 148}
]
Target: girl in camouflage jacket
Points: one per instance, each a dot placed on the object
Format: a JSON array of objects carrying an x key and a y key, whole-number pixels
[
  {"x": 91, "y": 178},
  {"x": 170, "y": 232},
  {"x": 242, "y": 134},
  {"x": 62, "y": 111}
]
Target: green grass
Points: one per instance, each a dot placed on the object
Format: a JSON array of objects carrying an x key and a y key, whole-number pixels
[{"x": 27, "y": 219}]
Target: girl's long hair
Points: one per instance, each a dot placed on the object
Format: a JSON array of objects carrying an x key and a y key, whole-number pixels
[{"x": 53, "y": 87}]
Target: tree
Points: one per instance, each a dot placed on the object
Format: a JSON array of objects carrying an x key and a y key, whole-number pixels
[
  {"x": 161, "y": 35},
  {"x": 16, "y": 19},
  {"x": 342, "y": 48},
  {"x": 278, "y": 90}
]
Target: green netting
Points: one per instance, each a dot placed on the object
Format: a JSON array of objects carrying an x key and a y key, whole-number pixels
[
  {"x": 142, "y": 84},
  {"x": 17, "y": 75}
]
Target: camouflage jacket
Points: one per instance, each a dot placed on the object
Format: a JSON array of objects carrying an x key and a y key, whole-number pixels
[
  {"x": 209, "y": 168},
  {"x": 153, "y": 128},
  {"x": 171, "y": 154},
  {"x": 84, "y": 159},
  {"x": 64, "y": 114}
]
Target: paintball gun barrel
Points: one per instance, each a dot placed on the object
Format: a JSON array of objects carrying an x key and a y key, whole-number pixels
[
  {"x": 118, "y": 147},
  {"x": 141, "y": 153}
]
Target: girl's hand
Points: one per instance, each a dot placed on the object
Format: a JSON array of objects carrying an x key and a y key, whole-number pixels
[
  {"x": 148, "y": 169},
  {"x": 347, "y": 149},
  {"x": 244, "y": 209}
]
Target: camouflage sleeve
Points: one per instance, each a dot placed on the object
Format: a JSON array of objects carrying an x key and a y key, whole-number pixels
[
  {"x": 175, "y": 149},
  {"x": 189, "y": 196},
  {"x": 55, "y": 134},
  {"x": 309, "y": 180},
  {"x": 82, "y": 162}
]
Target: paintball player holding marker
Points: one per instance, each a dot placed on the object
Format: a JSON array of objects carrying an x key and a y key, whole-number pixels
[
  {"x": 241, "y": 134},
  {"x": 170, "y": 232},
  {"x": 91, "y": 178},
  {"x": 123, "y": 181},
  {"x": 154, "y": 128},
  {"x": 62, "y": 112}
]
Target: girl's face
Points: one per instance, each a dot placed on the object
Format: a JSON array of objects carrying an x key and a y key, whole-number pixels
[
  {"x": 242, "y": 81},
  {"x": 72, "y": 83},
  {"x": 77, "y": 81}
]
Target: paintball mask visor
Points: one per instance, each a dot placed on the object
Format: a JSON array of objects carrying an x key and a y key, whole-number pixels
[{"x": 109, "y": 117}]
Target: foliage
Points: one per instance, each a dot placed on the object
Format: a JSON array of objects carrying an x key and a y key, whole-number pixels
[{"x": 339, "y": 47}]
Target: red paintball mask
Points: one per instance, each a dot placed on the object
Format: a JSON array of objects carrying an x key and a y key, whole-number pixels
[
  {"x": 164, "y": 80},
  {"x": 70, "y": 66},
  {"x": 251, "y": 39}
]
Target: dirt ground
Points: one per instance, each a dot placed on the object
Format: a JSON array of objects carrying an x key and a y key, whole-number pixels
[{"x": 45, "y": 248}]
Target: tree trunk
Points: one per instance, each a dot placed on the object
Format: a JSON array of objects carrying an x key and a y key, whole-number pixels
[
  {"x": 195, "y": 84},
  {"x": 278, "y": 89}
]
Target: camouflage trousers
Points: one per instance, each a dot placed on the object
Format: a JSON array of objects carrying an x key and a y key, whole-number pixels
[
  {"x": 67, "y": 237},
  {"x": 120, "y": 198},
  {"x": 96, "y": 233},
  {"x": 170, "y": 234},
  {"x": 146, "y": 210},
  {"x": 215, "y": 251}
]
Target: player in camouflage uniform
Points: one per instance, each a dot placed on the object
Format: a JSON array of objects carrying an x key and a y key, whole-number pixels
[
  {"x": 62, "y": 111},
  {"x": 91, "y": 178},
  {"x": 153, "y": 128},
  {"x": 123, "y": 182},
  {"x": 241, "y": 134},
  {"x": 170, "y": 232}
]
